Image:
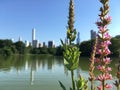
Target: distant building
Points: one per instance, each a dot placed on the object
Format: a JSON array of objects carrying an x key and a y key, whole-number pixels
[
  {"x": 78, "y": 38},
  {"x": 93, "y": 34},
  {"x": 27, "y": 43},
  {"x": 44, "y": 45},
  {"x": 51, "y": 44},
  {"x": 33, "y": 34},
  {"x": 20, "y": 39},
  {"x": 35, "y": 43}
]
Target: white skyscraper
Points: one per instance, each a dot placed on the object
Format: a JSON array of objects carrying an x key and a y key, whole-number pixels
[{"x": 33, "y": 34}]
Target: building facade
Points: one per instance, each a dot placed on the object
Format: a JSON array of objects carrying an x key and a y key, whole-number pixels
[
  {"x": 51, "y": 44},
  {"x": 93, "y": 34}
]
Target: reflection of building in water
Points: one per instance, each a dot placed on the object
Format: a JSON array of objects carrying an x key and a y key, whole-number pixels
[
  {"x": 31, "y": 77},
  {"x": 34, "y": 67},
  {"x": 26, "y": 65},
  {"x": 51, "y": 64}
]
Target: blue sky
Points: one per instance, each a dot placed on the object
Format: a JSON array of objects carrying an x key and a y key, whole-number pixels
[{"x": 49, "y": 18}]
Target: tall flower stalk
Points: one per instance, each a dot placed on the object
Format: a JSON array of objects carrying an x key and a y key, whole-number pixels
[
  {"x": 102, "y": 47},
  {"x": 71, "y": 53},
  {"x": 92, "y": 66}
]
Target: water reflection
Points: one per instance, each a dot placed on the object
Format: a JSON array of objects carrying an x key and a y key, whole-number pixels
[
  {"x": 30, "y": 63},
  {"x": 43, "y": 63}
]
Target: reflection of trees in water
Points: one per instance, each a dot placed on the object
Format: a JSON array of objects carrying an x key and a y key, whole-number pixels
[{"x": 20, "y": 62}]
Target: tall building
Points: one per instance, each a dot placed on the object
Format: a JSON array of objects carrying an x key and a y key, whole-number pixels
[
  {"x": 51, "y": 44},
  {"x": 33, "y": 34},
  {"x": 44, "y": 45},
  {"x": 78, "y": 38},
  {"x": 35, "y": 43},
  {"x": 93, "y": 34}
]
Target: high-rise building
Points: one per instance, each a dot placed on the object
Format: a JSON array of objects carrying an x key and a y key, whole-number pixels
[
  {"x": 33, "y": 34},
  {"x": 35, "y": 43},
  {"x": 44, "y": 45},
  {"x": 51, "y": 44},
  {"x": 93, "y": 34},
  {"x": 78, "y": 38}
]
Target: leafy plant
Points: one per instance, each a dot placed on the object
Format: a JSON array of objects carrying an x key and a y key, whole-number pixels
[{"x": 81, "y": 83}]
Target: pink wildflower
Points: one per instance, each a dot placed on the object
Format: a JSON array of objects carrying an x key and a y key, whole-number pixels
[
  {"x": 106, "y": 51},
  {"x": 101, "y": 68},
  {"x": 97, "y": 60},
  {"x": 106, "y": 43},
  {"x": 107, "y": 61},
  {"x": 102, "y": 29},
  {"x": 108, "y": 69},
  {"x": 105, "y": 76},
  {"x": 106, "y": 36}
]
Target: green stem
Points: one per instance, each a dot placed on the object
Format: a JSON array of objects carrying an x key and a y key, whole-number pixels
[{"x": 73, "y": 82}]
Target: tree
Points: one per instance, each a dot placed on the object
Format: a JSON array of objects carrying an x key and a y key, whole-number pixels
[
  {"x": 86, "y": 47},
  {"x": 20, "y": 46}
]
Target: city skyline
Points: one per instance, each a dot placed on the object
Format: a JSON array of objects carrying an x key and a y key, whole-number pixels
[{"x": 50, "y": 19}]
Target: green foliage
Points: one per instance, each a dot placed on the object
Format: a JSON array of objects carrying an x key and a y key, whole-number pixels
[
  {"x": 115, "y": 46},
  {"x": 20, "y": 46},
  {"x": 71, "y": 57},
  {"x": 86, "y": 47},
  {"x": 81, "y": 84},
  {"x": 6, "y": 47},
  {"x": 59, "y": 51},
  {"x": 52, "y": 51}
]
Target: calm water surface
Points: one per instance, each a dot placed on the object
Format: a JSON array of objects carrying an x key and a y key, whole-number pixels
[{"x": 39, "y": 72}]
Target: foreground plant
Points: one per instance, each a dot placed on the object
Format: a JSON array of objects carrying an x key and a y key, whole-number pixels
[
  {"x": 102, "y": 47},
  {"x": 81, "y": 83},
  {"x": 92, "y": 66}
]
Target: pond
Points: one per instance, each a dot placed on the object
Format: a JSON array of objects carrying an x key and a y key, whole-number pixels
[{"x": 39, "y": 72}]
